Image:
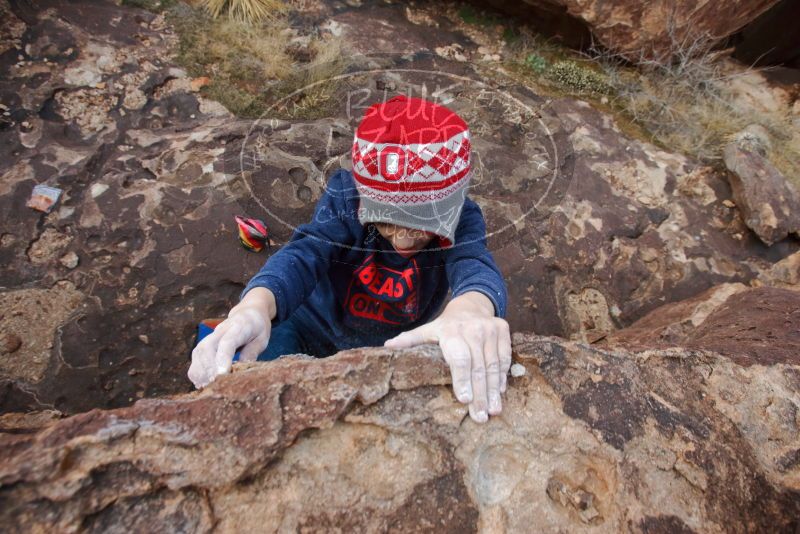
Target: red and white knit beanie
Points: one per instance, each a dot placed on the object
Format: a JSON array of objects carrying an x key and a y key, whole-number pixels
[{"x": 411, "y": 164}]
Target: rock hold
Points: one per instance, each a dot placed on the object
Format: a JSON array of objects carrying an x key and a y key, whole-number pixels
[{"x": 363, "y": 437}]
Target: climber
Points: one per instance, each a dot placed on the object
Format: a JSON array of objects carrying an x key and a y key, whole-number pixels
[{"x": 374, "y": 266}]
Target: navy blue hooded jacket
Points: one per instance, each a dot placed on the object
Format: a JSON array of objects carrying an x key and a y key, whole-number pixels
[{"x": 345, "y": 282}]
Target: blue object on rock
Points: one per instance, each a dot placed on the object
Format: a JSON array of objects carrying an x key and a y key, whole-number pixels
[{"x": 207, "y": 326}]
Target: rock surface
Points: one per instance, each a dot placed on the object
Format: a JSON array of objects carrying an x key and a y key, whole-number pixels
[
  {"x": 750, "y": 326},
  {"x": 373, "y": 440},
  {"x": 592, "y": 228},
  {"x": 639, "y": 29},
  {"x": 686, "y": 421},
  {"x": 770, "y": 204},
  {"x": 785, "y": 273}
]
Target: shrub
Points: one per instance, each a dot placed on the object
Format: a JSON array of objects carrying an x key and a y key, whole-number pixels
[
  {"x": 249, "y": 11},
  {"x": 536, "y": 62},
  {"x": 684, "y": 100},
  {"x": 579, "y": 78}
]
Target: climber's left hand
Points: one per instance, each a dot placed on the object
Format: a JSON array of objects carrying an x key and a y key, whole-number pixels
[{"x": 477, "y": 347}]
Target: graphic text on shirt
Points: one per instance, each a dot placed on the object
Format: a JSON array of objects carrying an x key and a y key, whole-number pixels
[{"x": 384, "y": 294}]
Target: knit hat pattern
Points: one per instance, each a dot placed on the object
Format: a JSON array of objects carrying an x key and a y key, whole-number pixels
[{"x": 411, "y": 164}]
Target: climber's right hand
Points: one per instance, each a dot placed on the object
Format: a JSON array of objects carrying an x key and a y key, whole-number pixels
[{"x": 248, "y": 326}]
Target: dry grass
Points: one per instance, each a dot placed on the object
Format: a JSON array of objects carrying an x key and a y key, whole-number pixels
[
  {"x": 249, "y": 11},
  {"x": 686, "y": 101},
  {"x": 307, "y": 92},
  {"x": 682, "y": 101},
  {"x": 251, "y": 66},
  {"x": 249, "y": 51}
]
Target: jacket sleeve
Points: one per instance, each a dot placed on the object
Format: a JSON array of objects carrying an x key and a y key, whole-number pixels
[
  {"x": 292, "y": 272},
  {"x": 469, "y": 264}
]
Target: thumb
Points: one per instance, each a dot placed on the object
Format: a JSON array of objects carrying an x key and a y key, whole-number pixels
[{"x": 417, "y": 336}]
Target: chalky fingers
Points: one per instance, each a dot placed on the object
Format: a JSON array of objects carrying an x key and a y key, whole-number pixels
[{"x": 457, "y": 355}]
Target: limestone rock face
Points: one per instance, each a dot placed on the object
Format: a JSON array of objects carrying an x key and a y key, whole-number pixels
[
  {"x": 373, "y": 440},
  {"x": 591, "y": 227}
]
